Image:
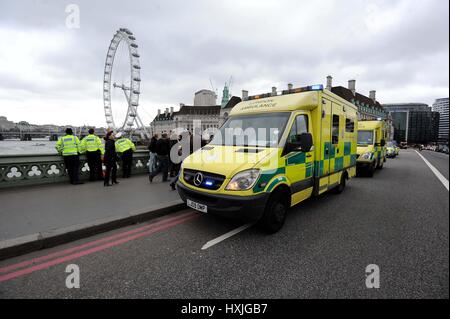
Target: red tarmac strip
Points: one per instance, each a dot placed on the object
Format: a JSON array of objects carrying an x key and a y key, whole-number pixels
[
  {"x": 89, "y": 244},
  {"x": 128, "y": 236}
]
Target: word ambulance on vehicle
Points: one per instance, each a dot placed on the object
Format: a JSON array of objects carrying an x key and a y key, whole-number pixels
[
  {"x": 305, "y": 144},
  {"x": 371, "y": 146}
]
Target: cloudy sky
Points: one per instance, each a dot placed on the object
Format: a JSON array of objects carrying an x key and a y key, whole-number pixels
[{"x": 50, "y": 73}]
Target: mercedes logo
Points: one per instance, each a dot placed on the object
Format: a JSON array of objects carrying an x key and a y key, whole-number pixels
[{"x": 198, "y": 179}]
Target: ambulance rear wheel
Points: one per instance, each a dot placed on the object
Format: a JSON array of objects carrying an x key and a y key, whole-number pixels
[
  {"x": 340, "y": 188},
  {"x": 274, "y": 213}
]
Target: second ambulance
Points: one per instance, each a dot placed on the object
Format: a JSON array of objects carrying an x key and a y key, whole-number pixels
[{"x": 371, "y": 146}]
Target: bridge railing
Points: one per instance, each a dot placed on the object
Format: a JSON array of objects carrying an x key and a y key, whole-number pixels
[{"x": 37, "y": 169}]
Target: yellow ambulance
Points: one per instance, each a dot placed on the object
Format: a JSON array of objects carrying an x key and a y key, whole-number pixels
[
  {"x": 371, "y": 146},
  {"x": 391, "y": 150},
  {"x": 273, "y": 152}
]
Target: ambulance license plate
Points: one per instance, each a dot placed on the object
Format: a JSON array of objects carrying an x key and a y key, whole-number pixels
[{"x": 200, "y": 207}]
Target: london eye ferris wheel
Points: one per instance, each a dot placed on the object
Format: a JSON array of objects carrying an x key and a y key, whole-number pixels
[{"x": 121, "y": 85}]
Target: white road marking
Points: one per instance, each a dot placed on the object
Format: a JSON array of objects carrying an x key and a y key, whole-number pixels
[
  {"x": 438, "y": 174},
  {"x": 226, "y": 236}
]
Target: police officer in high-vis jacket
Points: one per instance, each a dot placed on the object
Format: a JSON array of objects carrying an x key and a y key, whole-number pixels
[
  {"x": 69, "y": 147},
  {"x": 125, "y": 148},
  {"x": 93, "y": 147}
]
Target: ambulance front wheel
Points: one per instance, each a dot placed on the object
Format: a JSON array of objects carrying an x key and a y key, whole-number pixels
[
  {"x": 381, "y": 164},
  {"x": 275, "y": 213},
  {"x": 371, "y": 169}
]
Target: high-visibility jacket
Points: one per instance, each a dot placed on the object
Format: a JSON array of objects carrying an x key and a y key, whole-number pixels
[
  {"x": 68, "y": 145},
  {"x": 92, "y": 143},
  {"x": 124, "y": 144}
]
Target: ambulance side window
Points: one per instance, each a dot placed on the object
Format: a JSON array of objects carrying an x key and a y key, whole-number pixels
[
  {"x": 349, "y": 125},
  {"x": 335, "y": 130},
  {"x": 299, "y": 126}
]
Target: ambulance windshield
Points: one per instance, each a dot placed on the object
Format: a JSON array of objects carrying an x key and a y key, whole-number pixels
[
  {"x": 260, "y": 130},
  {"x": 365, "y": 138}
]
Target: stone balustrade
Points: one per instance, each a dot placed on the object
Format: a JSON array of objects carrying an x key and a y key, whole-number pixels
[{"x": 36, "y": 169}]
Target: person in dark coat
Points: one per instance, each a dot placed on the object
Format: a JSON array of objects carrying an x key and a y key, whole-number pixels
[
  {"x": 110, "y": 159},
  {"x": 152, "y": 145},
  {"x": 162, "y": 149}
]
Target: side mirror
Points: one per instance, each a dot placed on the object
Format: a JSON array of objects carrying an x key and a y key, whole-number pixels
[
  {"x": 306, "y": 142},
  {"x": 383, "y": 142},
  {"x": 302, "y": 144}
]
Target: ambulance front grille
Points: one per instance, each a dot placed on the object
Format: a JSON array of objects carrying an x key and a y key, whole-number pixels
[{"x": 209, "y": 180}]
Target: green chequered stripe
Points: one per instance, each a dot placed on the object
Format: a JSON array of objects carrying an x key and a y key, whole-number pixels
[
  {"x": 347, "y": 148},
  {"x": 309, "y": 169},
  {"x": 265, "y": 178},
  {"x": 353, "y": 159},
  {"x": 338, "y": 163},
  {"x": 332, "y": 151},
  {"x": 326, "y": 145},
  {"x": 318, "y": 168},
  {"x": 299, "y": 158}
]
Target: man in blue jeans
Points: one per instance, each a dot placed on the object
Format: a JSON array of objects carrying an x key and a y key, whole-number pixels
[{"x": 162, "y": 150}]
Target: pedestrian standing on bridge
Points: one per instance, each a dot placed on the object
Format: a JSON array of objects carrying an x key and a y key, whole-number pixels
[
  {"x": 152, "y": 163},
  {"x": 162, "y": 155},
  {"x": 110, "y": 160},
  {"x": 69, "y": 147},
  {"x": 93, "y": 147},
  {"x": 125, "y": 148}
]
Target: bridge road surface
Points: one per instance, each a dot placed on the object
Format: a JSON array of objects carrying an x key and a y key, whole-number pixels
[
  {"x": 438, "y": 160},
  {"x": 398, "y": 220}
]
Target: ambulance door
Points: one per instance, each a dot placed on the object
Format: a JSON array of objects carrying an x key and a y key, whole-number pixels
[
  {"x": 322, "y": 167},
  {"x": 378, "y": 149},
  {"x": 299, "y": 165},
  {"x": 337, "y": 144}
]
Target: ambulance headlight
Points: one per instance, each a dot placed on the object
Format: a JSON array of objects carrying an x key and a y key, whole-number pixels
[
  {"x": 244, "y": 180},
  {"x": 367, "y": 156}
]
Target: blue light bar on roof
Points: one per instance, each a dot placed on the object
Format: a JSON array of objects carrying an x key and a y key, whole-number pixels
[{"x": 316, "y": 87}]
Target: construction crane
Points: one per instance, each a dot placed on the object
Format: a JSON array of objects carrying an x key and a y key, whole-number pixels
[{"x": 212, "y": 87}]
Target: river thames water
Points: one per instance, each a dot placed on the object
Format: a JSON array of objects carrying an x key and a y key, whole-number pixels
[{"x": 36, "y": 146}]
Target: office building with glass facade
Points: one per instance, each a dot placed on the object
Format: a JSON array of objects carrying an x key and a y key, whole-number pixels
[
  {"x": 441, "y": 106},
  {"x": 413, "y": 122}
]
